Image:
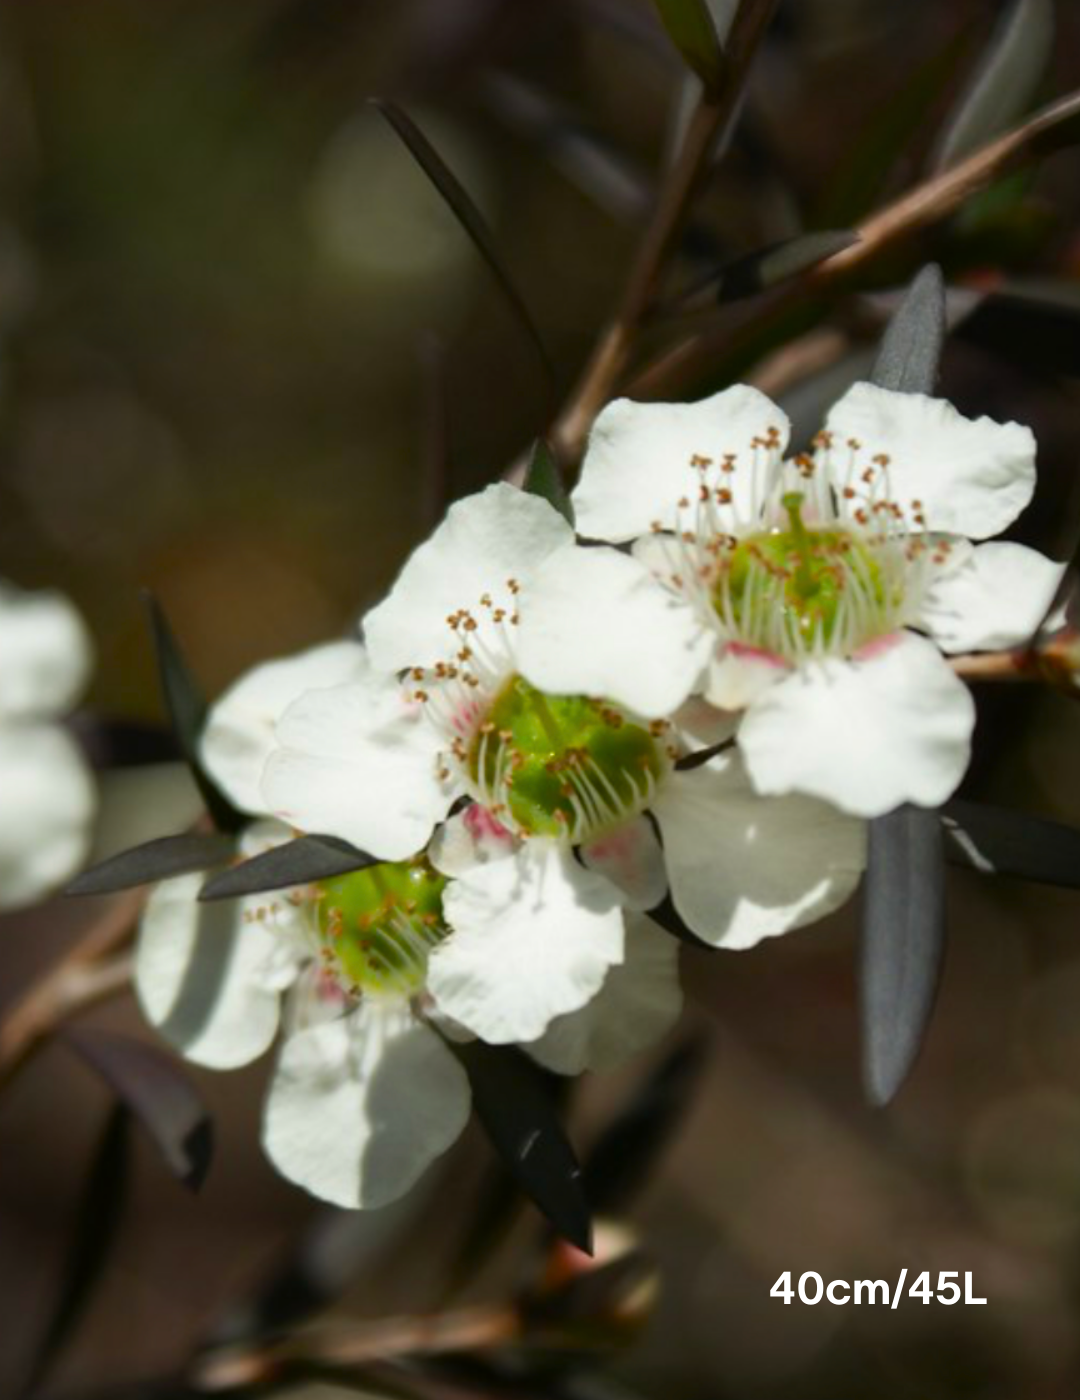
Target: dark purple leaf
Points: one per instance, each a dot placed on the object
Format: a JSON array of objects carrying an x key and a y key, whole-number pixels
[
  {"x": 157, "y": 1092},
  {"x": 902, "y": 944},
  {"x": 999, "y": 841},
  {"x": 471, "y": 220},
  {"x": 160, "y": 859},
  {"x": 515, "y": 1106},
  {"x": 187, "y": 711},
  {"x": 297, "y": 862}
]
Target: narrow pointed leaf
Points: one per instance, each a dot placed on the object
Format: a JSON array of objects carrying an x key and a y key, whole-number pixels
[
  {"x": 295, "y": 863},
  {"x": 160, "y": 859},
  {"x": 691, "y": 28},
  {"x": 471, "y": 220},
  {"x": 667, "y": 917},
  {"x": 157, "y": 1092},
  {"x": 999, "y": 841},
  {"x": 625, "y": 1154},
  {"x": 187, "y": 710},
  {"x": 515, "y": 1107},
  {"x": 902, "y": 946},
  {"x": 910, "y": 352},
  {"x": 769, "y": 267},
  {"x": 91, "y": 1239},
  {"x": 543, "y": 478},
  {"x": 1003, "y": 84}
]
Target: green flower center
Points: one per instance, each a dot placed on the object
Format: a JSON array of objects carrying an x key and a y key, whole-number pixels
[
  {"x": 379, "y": 925},
  {"x": 562, "y": 765},
  {"x": 794, "y": 590}
]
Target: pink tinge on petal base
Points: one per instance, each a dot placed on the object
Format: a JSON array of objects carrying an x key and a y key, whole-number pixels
[
  {"x": 878, "y": 646},
  {"x": 483, "y": 826}
]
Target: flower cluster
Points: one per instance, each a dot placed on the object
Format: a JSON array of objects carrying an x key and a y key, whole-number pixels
[
  {"x": 49, "y": 798},
  {"x": 539, "y": 740}
]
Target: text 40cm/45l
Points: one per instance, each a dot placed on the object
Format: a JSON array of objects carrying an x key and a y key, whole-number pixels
[{"x": 812, "y": 1288}]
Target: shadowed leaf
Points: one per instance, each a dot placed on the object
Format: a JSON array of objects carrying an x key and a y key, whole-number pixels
[
  {"x": 1003, "y": 83},
  {"x": 691, "y": 28},
  {"x": 667, "y": 917},
  {"x": 768, "y": 267},
  {"x": 910, "y": 352},
  {"x": 543, "y": 478},
  {"x": 469, "y": 217},
  {"x": 999, "y": 841},
  {"x": 187, "y": 710},
  {"x": 295, "y": 863},
  {"x": 157, "y": 1092},
  {"x": 903, "y": 942},
  {"x": 620, "y": 1163},
  {"x": 91, "y": 1239},
  {"x": 155, "y": 860},
  {"x": 515, "y": 1106}
]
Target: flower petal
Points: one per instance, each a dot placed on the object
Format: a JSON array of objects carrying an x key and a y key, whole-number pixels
[
  {"x": 972, "y": 476},
  {"x": 358, "y": 761},
  {"x": 45, "y": 654},
  {"x": 639, "y": 1002},
  {"x": 239, "y": 734},
  {"x": 891, "y": 726},
  {"x": 737, "y": 675},
  {"x": 743, "y": 867},
  {"x": 995, "y": 598},
  {"x": 639, "y": 460},
  {"x": 359, "y": 1107},
  {"x": 46, "y": 811},
  {"x": 594, "y": 621},
  {"x": 209, "y": 977},
  {"x": 472, "y": 837},
  {"x": 486, "y": 540},
  {"x": 631, "y": 858},
  {"x": 532, "y": 937}
]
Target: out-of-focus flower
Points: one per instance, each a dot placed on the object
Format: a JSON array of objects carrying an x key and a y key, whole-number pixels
[
  {"x": 47, "y": 797},
  {"x": 824, "y": 589},
  {"x": 444, "y": 713}
]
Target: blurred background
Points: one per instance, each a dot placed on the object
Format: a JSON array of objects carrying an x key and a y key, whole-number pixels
[{"x": 245, "y": 354}]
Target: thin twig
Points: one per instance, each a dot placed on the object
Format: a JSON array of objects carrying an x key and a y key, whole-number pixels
[
  {"x": 709, "y": 118},
  {"x": 86, "y": 974},
  {"x": 928, "y": 203},
  {"x": 464, "y": 1329}
]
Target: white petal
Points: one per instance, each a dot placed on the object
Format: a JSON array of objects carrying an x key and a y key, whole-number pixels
[
  {"x": 45, "y": 654},
  {"x": 638, "y": 464},
  {"x": 239, "y": 735},
  {"x": 46, "y": 809},
  {"x": 631, "y": 858},
  {"x": 744, "y": 867},
  {"x": 868, "y": 734},
  {"x": 595, "y": 622},
  {"x": 995, "y": 598},
  {"x": 639, "y": 1002},
  {"x": 210, "y": 976},
  {"x": 358, "y": 761},
  {"x": 737, "y": 675},
  {"x": 499, "y": 534},
  {"x": 699, "y": 725},
  {"x": 973, "y": 476},
  {"x": 359, "y": 1107},
  {"x": 531, "y": 938},
  {"x": 472, "y": 837}
]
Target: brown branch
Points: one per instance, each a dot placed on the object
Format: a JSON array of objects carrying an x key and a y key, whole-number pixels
[
  {"x": 710, "y": 116},
  {"x": 465, "y": 1329},
  {"x": 87, "y": 973},
  {"x": 928, "y": 203}
]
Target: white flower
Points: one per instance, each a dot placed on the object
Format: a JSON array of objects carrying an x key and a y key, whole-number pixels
[
  {"x": 448, "y": 715},
  {"x": 47, "y": 798},
  {"x": 365, "y": 1093},
  {"x": 824, "y": 589}
]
